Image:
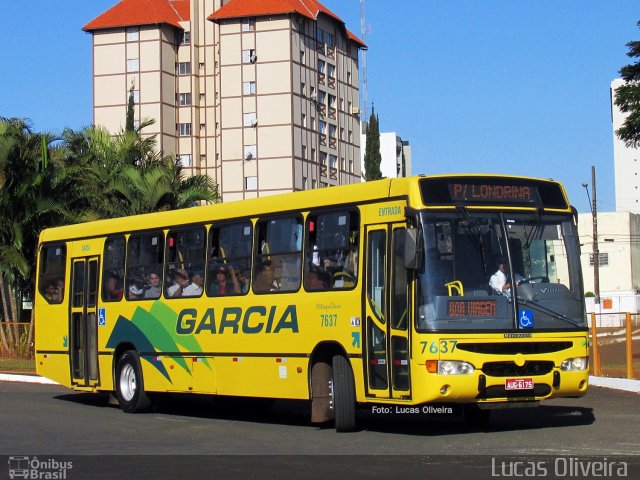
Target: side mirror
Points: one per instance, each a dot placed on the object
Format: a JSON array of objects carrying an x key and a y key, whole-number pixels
[{"x": 412, "y": 249}]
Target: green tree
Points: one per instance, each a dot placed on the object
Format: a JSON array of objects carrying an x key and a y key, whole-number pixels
[
  {"x": 100, "y": 162},
  {"x": 31, "y": 199},
  {"x": 372, "y": 157},
  {"x": 627, "y": 97},
  {"x": 129, "y": 124}
]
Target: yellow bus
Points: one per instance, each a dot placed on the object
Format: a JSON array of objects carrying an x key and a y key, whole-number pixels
[{"x": 396, "y": 292}]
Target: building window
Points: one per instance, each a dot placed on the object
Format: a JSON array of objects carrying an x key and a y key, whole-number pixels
[
  {"x": 332, "y": 161},
  {"x": 324, "y": 184},
  {"x": 343, "y": 164},
  {"x": 249, "y": 56},
  {"x": 313, "y": 183},
  {"x": 350, "y": 166},
  {"x": 185, "y": 38},
  {"x": 304, "y": 151},
  {"x": 303, "y": 88},
  {"x": 184, "y": 68},
  {"x": 322, "y": 127},
  {"x": 305, "y": 183},
  {"x": 603, "y": 259},
  {"x": 341, "y": 133},
  {"x": 184, "y": 99},
  {"x": 185, "y": 160},
  {"x": 321, "y": 66},
  {"x": 248, "y": 24},
  {"x": 302, "y": 56},
  {"x": 349, "y": 77},
  {"x": 250, "y": 119},
  {"x": 202, "y": 97},
  {"x": 313, "y": 155},
  {"x": 328, "y": 38},
  {"x": 250, "y": 152},
  {"x": 321, "y": 97},
  {"x": 332, "y": 101},
  {"x": 250, "y": 183},
  {"x": 323, "y": 158},
  {"x": 249, "y": 88},
  {"x": 320, "y": 35},
  {"x": 133, "y": 34},
  {"x": 184, "y": 129},
  {"x": 133, "y": 65},
  {"x": 304, "y": 119},
  {"x": 332, "y": 131},
  {"x": 201, "y": 65}
]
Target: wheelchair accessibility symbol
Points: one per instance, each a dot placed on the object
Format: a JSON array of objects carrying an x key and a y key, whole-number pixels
[
  {"x": 525, "y": 318},
  {"x": 102, "y": 317}
]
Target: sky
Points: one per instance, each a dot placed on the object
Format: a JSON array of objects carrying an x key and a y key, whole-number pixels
[{"x": 515, "y": 87}]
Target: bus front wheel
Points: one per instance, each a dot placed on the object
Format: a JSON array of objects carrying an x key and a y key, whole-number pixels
[
  {"x": 130, "y": 385},
  {"x": 343, "y": 395}
]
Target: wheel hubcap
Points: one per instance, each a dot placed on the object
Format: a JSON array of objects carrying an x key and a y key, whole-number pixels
[{"x": 128, "y": 382}]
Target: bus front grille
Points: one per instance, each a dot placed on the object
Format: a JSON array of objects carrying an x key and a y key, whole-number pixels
[
  {"x": 510, "y": 369},
  {"x": 513, "y": 348}
]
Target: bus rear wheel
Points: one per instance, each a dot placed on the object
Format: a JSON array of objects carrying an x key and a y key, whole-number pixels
[
  {"x": 130, "y": 385},
  {"x": 343, "y": 395}
]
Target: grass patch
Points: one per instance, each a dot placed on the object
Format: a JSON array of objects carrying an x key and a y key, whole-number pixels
[{"x": 17, "y": 365}]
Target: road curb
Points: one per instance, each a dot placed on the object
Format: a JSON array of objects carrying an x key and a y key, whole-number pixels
[
  {"x": 9, "y": 377},
  {"x": 625, "y": 384}
]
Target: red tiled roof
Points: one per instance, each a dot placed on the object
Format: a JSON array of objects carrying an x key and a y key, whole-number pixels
[
  {"x": 253, "y": 8},
  {"x": 141, "y": 12}
]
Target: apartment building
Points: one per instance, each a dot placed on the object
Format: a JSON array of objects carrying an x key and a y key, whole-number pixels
[{"x": 262, "y": 96}]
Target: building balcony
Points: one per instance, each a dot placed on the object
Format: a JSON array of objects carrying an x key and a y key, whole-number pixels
[{"x": 323, "y": 139}]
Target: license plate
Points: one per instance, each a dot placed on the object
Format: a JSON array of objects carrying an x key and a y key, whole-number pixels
[{"x": 518, "y": 384}]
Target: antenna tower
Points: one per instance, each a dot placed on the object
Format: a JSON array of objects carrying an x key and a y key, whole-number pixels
[{"x": 363, "y": 68}]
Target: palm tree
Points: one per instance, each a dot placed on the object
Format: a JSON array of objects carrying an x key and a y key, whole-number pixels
[
  {"x": 30, "y": 199},
  {"x": 129, "y": 174}
]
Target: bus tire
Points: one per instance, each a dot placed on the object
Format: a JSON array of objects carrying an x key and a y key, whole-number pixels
[
  {"x": 343, "y": 395},
  {"x": 130, "y": 384}
]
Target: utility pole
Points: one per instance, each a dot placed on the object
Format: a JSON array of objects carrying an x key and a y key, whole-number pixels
[
  {"x": 596, "y": 251},
  {"x": 364, "y": 113}
]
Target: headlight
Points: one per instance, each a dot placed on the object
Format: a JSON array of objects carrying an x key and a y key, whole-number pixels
[
  {"x": 454, "y": 367},
  {"x": 573, "y": 364}
]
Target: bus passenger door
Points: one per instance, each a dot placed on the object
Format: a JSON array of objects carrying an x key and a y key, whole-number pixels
[
  {"x": 83, "y": 328},
  {"x": 387, "y": 314}
]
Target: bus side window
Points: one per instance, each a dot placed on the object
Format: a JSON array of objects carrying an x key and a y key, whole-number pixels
[
  {"x": 144, "y": 257},
  {"x": 332, "y": 250},
  {"x": 53, "y": 262},
  {"x": 278, "y": 255},
  {"x": 229, "y": 262},
  {"x": 185, "y": 253},
  {"x": 113, "y": 269}
]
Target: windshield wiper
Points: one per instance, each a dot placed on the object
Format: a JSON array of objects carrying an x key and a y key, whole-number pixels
[{"x": 548, "y": 311}]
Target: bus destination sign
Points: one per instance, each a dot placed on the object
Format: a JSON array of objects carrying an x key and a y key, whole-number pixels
[
  {"x": 485, "y": 192},
  {"x": 472, "y": 308},
  {"x": 492, "y": 191}
]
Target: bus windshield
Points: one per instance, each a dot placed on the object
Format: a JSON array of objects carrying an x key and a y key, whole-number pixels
[{"x": 473, "y": 259}]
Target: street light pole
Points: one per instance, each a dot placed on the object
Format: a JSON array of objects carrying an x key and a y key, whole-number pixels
[{"x": 596, "y": 251}]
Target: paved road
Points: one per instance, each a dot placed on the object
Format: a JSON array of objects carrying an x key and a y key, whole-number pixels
[{"x": 51, "y": 420}]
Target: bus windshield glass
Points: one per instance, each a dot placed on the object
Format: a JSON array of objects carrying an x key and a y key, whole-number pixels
[{"x": 472, "y": 261}]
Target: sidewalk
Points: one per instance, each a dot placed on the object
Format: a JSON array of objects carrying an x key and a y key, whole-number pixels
[{"x": 606, "y": 382}]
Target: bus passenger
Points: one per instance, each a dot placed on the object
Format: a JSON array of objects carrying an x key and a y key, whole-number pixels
[
  {"x": 194, "y": 289},
  {"x": 50, "y": 293},
  {"x": 153, "y": 291},
  {"x": 113, "y": 289},
  {"x": 226, "y": 283},
  {"x": 264, "y": 279},
  {"x": 180, "y": 281},
  {"x": 318, "y": 280}
]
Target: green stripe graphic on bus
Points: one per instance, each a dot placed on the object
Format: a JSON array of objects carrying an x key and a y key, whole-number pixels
[{"x": 154, "y": 331}]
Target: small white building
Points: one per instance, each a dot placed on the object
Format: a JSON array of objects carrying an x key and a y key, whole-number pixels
[
  {"x": 619, "y": 263},
  {"x": 395, "y": 152}
]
